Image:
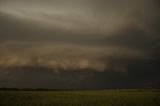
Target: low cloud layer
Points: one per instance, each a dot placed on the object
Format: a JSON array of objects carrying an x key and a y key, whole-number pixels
[{"x": 110, "y": 43}]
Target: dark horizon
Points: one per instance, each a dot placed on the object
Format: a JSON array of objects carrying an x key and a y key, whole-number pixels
[{"x": 34, "y": 77}]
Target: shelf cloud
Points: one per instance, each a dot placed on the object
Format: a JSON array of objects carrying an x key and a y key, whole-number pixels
[{"x": 110, "y": 43}]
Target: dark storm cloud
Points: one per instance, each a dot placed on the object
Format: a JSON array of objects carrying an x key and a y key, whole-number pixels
[
  {"x": 134, "y": 38},
  {"x": 102, "y": 43}
]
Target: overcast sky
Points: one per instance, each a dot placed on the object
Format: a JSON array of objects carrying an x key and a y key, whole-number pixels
[{"x": 102, "y": 43}]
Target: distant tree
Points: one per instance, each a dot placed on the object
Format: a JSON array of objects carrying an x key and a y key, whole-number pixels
[{"x": 3, "y": 89}]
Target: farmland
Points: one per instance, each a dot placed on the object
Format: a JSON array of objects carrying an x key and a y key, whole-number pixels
[{"x": 117, "y": 97}]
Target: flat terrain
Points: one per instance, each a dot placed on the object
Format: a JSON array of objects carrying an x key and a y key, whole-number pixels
[{"x": 81, "y": 98}]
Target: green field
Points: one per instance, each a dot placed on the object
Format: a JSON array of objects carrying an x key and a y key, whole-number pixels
[{"x": 81, "y": 98}]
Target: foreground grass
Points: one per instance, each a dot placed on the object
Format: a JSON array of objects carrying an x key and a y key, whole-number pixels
[{"x": 81, "y": 98}]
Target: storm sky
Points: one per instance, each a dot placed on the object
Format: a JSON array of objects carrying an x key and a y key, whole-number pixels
[{"x": 79, "y": 43}]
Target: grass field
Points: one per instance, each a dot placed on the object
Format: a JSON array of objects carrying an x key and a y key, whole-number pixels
[{"x": 81, "y": 98}]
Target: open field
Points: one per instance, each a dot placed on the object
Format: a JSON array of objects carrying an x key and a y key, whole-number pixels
[{"x": 81, "y": 98}]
